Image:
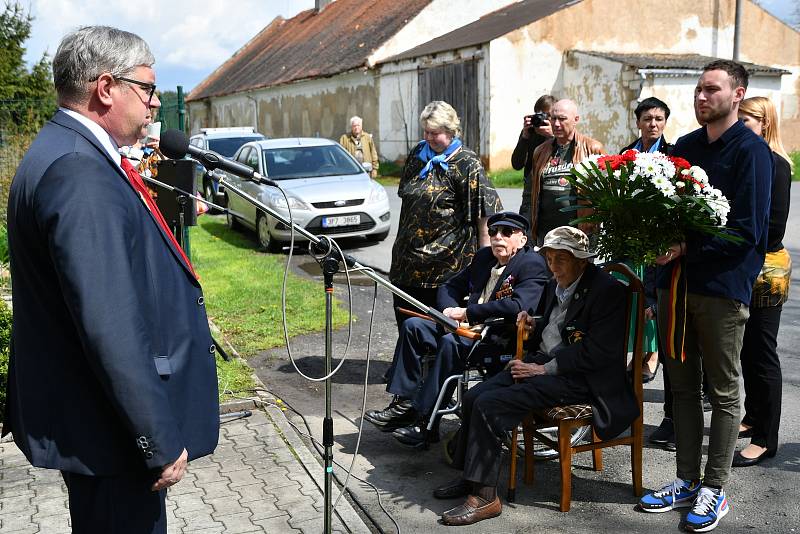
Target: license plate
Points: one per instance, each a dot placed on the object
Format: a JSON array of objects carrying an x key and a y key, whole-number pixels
[{"x": 342, "y": 220}]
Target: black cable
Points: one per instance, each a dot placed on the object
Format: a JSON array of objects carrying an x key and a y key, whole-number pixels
[{"x": 319, "y": 451}]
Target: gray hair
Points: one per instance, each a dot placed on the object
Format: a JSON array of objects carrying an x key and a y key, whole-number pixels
[
  {"x": 439, "y": 115},
  {"x": 356, "y": 118},
  {"x": 90, "y": 51}
]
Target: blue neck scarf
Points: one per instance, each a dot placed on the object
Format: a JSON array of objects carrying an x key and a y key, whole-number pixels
[
  {"x": 431, "y": 158},
  {"x": 653, "y": 148}
]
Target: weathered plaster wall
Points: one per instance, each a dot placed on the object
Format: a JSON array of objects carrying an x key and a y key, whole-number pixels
[
  {"x": 438, "y": 18},
  {"x": 308, "y": 109},
  {"x": 399, "y": 100},
  {"x": 606, "y": 93},
  {"x": 520, "y": 71}
]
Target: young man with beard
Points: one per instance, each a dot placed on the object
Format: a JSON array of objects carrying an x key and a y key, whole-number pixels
[{"x": 719, "y": 279}]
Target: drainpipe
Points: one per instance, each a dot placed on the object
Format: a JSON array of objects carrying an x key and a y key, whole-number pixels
[
  {"x": 319, "y": 5},
  {"x": 737, "y": 30}
]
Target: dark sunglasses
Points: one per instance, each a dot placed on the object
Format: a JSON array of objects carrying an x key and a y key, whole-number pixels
[
  {"x": 506, "y": 231},
  {"x": 149, "y": 87}
]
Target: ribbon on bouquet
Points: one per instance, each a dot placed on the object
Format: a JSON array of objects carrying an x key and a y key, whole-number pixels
[{"x": 676, "y": 314}]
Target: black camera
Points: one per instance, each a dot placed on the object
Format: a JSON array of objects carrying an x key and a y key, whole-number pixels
[{"x": 537, "y": 119}]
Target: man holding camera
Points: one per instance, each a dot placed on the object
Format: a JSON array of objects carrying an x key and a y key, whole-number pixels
[
  {"x": 535, "y": 131},
  {"x": 552, "y": 162}
]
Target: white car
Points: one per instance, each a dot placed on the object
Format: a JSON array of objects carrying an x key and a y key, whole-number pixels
[{"x": 329, "y": 192}]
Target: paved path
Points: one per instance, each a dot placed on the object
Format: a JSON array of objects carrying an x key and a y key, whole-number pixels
[{"x": 261, "y": 478}]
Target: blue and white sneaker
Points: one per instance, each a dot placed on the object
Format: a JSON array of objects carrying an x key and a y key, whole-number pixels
[
  {"x": 709, "y": 507},
  {"x": 677, "y": 494}
]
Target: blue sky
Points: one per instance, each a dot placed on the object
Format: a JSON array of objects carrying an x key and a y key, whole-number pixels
[{"x": 190, "y": 38}]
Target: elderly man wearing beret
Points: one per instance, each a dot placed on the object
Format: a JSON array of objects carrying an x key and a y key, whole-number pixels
[
  {"x": 502, "y": 280},
  {"x": 573, "y": 358}
]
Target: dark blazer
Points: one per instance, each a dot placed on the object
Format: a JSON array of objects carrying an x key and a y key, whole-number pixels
[
  {"x": 594, "y": 337},
  {"x": 664, "y": 147},
  {"x": 112, "y": 369},
  {"x": 520, "y": 285}
]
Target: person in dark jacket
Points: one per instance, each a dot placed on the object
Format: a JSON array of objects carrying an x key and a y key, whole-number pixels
[
  {"x": 501, "y": 281},
  {"x": 761, "y": 367},
  {"x": 112, "y": 379},
  {"x": 719, "y": 275},
  {"x": 531, "y": 137},
  {"x": 575, "y": 357},
  {"x": 652, "y": 115}
]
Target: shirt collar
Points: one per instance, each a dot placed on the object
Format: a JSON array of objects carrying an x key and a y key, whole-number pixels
[
  {"x": 565, "y": 294},
  {"x": 99, "y": 133},
  {"x": 727, "y": 135}
]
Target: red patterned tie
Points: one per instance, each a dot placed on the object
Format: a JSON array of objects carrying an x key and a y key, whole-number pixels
[{"x": 138, "y": 185}]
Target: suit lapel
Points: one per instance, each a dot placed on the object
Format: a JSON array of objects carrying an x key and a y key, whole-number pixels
[
  {"x": 65, "y": 121},
  {"x": 581, "y": 293}
]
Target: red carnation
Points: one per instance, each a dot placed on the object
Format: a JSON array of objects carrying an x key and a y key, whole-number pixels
[{"x": 680, "y": 163}]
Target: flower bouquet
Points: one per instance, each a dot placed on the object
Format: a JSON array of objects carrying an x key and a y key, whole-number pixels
[{"x": 644, "y": 202}]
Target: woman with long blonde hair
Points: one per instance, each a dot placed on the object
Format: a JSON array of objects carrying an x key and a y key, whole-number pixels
[{"x": 761, "y": 367}]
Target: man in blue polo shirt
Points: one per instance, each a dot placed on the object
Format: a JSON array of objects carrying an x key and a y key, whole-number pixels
[{"x": 719, "y": 279}]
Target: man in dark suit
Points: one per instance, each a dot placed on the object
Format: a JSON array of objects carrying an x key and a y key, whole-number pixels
[
  {"x": 576, "y": 359},
  {"x": 502, "y": 280},
  {"x": 112, "y": 376}
]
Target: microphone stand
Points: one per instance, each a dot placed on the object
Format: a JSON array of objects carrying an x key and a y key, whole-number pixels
[
  {"x": 329, "y": 261},
  {"x": 330, "y": 266}
]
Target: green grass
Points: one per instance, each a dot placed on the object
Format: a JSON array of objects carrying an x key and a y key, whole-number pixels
[
  {"x": 242, "y": 288},
  {"x": 796, "y": 170},
  {"x": 506, "y": 178}
]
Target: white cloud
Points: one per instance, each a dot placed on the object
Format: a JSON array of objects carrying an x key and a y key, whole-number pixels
[{"x": 185, "y": 35}]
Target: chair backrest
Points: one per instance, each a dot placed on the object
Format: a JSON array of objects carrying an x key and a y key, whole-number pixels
[{"x": 634, "y": 319}]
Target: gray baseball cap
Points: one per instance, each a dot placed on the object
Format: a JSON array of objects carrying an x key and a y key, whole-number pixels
[{"x": 570, "y": 239}]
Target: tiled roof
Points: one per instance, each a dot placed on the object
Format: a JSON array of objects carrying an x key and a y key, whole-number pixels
[
  {"x": 488, "y": 27},
  {"x": 310, "y": 45},
  {"x": 677, "y": 62}
]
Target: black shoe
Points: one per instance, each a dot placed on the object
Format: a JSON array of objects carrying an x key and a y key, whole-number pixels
[
  {"x": 398, "y": 414},
  {"x": 707, "y": 403},
  {"x": 647, "y": 375},
  {"x": 453, "y": 489},
  {"x": 664, "y": 434},
  {"x": 416, "y": 436},
  {"x": 741, "y": 461}
]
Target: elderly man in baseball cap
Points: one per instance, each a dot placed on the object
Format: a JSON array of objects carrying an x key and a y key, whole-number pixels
[{"x": 573, "y": 358}]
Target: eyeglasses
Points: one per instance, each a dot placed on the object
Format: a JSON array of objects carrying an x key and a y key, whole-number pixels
[
  {"x": 505, "y": 231},
  {"x": 149, "y": 87}
]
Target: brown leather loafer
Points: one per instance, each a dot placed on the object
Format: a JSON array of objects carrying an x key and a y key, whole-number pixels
[
  {"x": 454, "y": 489},
  {"x": 473, "y": 510}
]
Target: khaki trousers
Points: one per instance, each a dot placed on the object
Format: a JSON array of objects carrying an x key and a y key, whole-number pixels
[{"x": 713, "y": 341}]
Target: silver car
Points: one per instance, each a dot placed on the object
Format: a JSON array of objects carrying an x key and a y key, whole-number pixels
[{"x": 329, "y": 192}]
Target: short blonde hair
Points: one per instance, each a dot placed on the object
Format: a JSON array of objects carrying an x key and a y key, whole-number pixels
[
  {"x": 439, "y": 115},
  {"x": 763, "y": 110}
]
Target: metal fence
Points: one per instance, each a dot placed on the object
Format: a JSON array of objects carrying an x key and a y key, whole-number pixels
[{"x": 172, "y": 112}]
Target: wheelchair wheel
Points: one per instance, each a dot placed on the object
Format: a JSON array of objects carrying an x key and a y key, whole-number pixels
[{"x": 542, "y": 451}]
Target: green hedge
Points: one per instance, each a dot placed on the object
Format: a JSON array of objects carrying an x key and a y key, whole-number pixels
[{"x": 5, "y": 341}]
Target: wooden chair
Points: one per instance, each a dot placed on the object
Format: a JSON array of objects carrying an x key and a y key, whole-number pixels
[{"x": 567, "y": 418}]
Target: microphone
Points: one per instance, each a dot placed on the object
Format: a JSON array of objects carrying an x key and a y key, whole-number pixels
[{"x": 175, "y": 145}]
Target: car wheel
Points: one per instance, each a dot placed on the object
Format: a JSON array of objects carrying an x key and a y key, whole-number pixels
[
  {"x": 208, "y": 194},
  {"x": 265, "y": 239},
  {"x": 230, "y": 219}
]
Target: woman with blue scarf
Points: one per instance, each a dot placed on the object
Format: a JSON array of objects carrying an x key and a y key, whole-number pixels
[{"x": 446, "y": 199}]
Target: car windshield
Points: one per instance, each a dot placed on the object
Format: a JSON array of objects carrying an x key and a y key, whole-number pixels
[
  {"x": 228, "y": 146},
  {"x": 309, "y": 161}
]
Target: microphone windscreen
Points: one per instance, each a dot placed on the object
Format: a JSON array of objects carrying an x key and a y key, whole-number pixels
[{"x": 174, "y": 144}]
